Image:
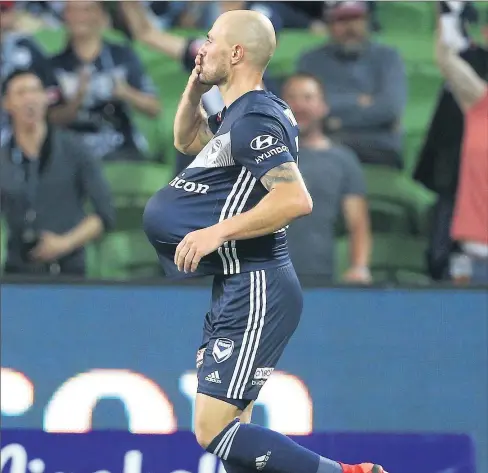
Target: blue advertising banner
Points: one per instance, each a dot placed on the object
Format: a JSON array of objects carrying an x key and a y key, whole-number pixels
[
  {"x": 77, "y": 358},
  {"x": 120, "y": 452}
]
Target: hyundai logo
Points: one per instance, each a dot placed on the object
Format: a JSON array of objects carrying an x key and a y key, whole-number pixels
[{"x": 263, "y": 142}]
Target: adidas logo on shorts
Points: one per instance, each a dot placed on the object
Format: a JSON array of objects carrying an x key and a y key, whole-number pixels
[
  {"x": 262, "y": 460},
  {"x": 213, "y": 377}
]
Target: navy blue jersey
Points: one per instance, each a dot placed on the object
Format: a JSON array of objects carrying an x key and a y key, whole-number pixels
[{"x": 253, "y": 135}]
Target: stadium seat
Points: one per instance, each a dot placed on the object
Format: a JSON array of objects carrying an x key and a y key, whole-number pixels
[
  {"x": 394, "y": 258},
  {"x": 128, "y": 254},
  {"x": 412, "y": 278},
  {"x": 132, "y": 184},
  {"x": 389, "y": 217},
  {"x": 388, "y": 185},
  {"x": 407, "y": 16},
  {"x": 412, "y": 144}
]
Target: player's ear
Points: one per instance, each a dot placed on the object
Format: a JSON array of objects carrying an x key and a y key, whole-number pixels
[{"x": 237, "y": 54}]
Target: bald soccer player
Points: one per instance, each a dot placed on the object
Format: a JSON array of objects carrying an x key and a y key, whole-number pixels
[{"x": 225, "y": 215}]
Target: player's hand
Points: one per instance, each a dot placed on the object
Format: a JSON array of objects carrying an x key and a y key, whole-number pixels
[
  {"x": 194, "y": 87},
  {"x": 195, "y": 246}
]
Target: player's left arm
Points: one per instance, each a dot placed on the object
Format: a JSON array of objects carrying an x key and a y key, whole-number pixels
[
  {"x": 287, "y": 200},
  {"x": 263, "y": 146}
]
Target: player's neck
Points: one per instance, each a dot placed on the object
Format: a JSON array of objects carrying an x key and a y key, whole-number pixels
[{"x": 234, "y": 89}]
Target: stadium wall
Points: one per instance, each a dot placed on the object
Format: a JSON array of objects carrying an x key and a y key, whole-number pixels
[{"x": 389, "y": 361}]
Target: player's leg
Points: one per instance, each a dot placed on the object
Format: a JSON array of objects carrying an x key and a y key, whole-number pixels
[
  {"x": 245, "y": 418},
  {"x": 243, "y": 414},
  {"x": 225, "y": 389}
]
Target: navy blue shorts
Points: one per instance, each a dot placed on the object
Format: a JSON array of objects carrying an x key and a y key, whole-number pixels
[{"x": 253, "y": 316}]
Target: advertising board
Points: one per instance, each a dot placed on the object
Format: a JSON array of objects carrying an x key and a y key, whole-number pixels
[
  {"x": 120, "y": 452},
  {"x": 76, "y": 358}
]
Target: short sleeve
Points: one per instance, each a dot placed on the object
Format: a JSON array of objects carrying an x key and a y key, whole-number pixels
[
  {"x": 258, "y": 143},
  {"x": 354, "y": 181}
]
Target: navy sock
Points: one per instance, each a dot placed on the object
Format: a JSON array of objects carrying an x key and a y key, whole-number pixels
[
  {"x": 234, "y": 468},
  {"x": 256, "y": 448}
]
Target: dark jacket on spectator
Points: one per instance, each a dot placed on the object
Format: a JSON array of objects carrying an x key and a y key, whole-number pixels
[
  {"x": 374, "y": 132},
  {"x": 67, "y": 177}
]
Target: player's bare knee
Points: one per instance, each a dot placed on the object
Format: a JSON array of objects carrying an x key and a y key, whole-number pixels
[
  {"x": 206, "y": 430},
  {"x": 212, "y": 416}
]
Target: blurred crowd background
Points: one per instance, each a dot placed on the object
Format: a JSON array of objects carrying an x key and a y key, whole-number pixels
[{"x": 90, "y": 90}]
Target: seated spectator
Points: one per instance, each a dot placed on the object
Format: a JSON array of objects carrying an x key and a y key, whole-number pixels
[
  {"x": 46, "y": 177},
  {"x": 100, "y": 81},
  {"x": 18, "y": 50},
  {"x": 439, "y": 159},
  {"x": 365, "y": 83},
  {"x": 470, "y": 218},
  {"x": 162, "y": 14},
  {"x": 335, "y": 180}
]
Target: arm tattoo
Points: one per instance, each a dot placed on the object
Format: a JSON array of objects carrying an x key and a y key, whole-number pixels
[{"x": 286, "y": 172}]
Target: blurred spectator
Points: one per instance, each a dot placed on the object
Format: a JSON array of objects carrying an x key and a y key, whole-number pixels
[
  {"x": 198, "y": 14},
  {"x": 180, "y": 49},
  {"x": 162, "y": 14},
  {"x": 470, "y": 219},
  {"x": 299, "y": 15},
  {"x": 45, "y": 180},
  {"x": 100, "y": 81},
  {"x": 335, "y": 181},
  {"x": 438, "y": 166},
  {"x": 18, "y": 50},
  {"x": 40, "y": 14},
  {"x": 365, "y": 83},
  {"x": 304, "y": 15}
]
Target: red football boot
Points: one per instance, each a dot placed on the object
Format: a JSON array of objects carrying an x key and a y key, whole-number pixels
[{"x": 363, "y": 468}]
